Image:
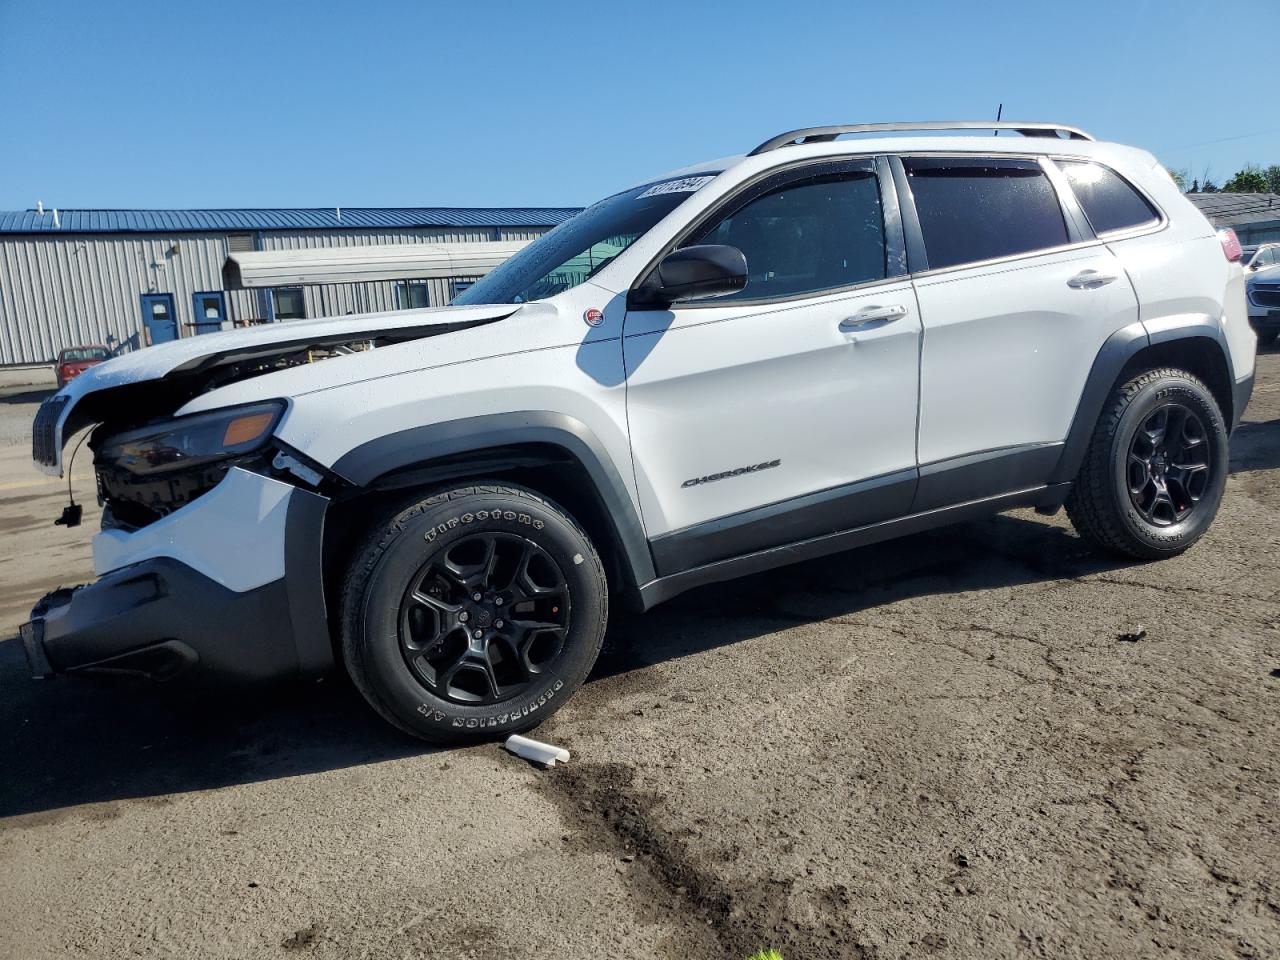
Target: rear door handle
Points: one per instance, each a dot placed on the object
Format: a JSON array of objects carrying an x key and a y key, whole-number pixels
[
  {"x": 873, "y": 316},
  {"x": 1090, "y": 279}
]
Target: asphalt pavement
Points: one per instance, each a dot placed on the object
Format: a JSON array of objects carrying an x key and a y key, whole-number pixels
[{"x": 983, "y": 741}]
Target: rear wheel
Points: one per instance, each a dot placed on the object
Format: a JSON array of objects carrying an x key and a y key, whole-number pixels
[
  {"x": 473, "y": 613},
  {"x": 1155, "y": 470}
]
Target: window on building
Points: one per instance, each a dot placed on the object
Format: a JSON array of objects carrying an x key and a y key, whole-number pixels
[
  {"x": 288, "y": 304},
  {"x": 412, "y": 294},
  {"x": 982, "y": 209},
  {"x": 811, "y": 234},
  {"x": 459, "y": 286},
  {"x": 1108, "y": 200}
]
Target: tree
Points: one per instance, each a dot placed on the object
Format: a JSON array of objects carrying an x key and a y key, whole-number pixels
[
  {"x": 1249, "y": 180},
  {"x": 1182, "y": 177},
  {"x": 1272, "y": 173}
]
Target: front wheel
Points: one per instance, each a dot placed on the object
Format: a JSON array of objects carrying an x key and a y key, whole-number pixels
[
  {"x": 473, "y": 613},
  {"x": 1155, "y": 470}
]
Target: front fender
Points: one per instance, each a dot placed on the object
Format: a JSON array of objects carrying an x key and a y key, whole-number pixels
[{"x": 366, "y": 463}]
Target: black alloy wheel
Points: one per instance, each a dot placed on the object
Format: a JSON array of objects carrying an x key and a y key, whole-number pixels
[
  {"x": 1169, "y": 465},
  {"x": 483, "y": 617}
]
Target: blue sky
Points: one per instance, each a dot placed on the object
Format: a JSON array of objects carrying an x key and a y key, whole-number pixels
[{"x": 371, "y": 103}]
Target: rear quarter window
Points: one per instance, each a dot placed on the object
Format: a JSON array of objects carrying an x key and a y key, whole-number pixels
[
  {"x": 1108, "y": 200},
  {"x": 983, "y": 209}
]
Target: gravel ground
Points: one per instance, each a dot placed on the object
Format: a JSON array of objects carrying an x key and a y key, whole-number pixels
[{"x": 934, "y": 747}]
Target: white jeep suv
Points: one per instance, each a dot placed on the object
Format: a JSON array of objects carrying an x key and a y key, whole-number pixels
[{"x": 767, "y": 358}]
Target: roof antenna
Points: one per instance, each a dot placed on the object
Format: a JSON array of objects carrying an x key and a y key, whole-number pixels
[
  {"x": 999, "y": 114},
  {"x": 338, "y": 210},
  {"x": 57, "y": 224},
  {"x": 40, "y": 207}
]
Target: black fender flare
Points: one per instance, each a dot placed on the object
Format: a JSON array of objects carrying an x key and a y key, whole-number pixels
[
  {"x": 1116, "y": 353},
  {"x": 366, "y": 463}
]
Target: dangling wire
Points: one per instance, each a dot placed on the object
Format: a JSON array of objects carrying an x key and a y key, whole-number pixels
[
  {"x": 72, "y": 512},
  {"x": 70, "y": 463}
]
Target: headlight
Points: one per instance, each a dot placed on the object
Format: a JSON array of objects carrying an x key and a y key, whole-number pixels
[{"x": 191, "y": 441}]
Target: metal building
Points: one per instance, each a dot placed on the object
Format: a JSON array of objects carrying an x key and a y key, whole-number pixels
[
  {"x": 1255, "y": 217},
  {"x": 125, "y": 278}
]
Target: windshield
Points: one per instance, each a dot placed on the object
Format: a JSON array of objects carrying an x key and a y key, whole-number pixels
[
  {"x": 581, "y": 246},
  {"x": 85, "y": 353}
]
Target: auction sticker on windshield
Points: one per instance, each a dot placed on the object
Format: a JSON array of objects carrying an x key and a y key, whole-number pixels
[{"x": 684, "y": 185}]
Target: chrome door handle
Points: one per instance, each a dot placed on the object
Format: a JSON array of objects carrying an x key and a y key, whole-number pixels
[
  {"x": 873, "y": 316},
  {"x": 1089, "y": 279}
]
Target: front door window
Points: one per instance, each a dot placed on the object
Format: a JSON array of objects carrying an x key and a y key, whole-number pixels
[{"x": 818, "y": 233}]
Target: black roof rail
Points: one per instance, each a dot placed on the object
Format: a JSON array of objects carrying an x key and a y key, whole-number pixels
[{"x": 827, "y": 134}]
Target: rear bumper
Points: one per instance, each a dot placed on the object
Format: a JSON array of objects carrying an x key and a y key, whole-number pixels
[{"x": 161, "y": 615}]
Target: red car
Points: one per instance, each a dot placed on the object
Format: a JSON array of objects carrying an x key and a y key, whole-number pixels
[{"x": 74, "y": 361}]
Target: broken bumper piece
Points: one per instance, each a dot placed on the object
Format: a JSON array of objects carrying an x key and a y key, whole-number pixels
[{"x": 158, "y": 619}]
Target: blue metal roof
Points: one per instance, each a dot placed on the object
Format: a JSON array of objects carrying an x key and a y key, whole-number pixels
[{"x": 327, "y": 218}]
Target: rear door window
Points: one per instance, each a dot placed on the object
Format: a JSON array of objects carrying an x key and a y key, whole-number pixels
[
  {"x": 1109, "y": 201},
  {"x": 974, "y": 209}
]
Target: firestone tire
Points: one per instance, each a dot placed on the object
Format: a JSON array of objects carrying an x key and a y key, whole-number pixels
[
  {"x": 1155, "y": 470},
  {"x": 450, "y": 669}
]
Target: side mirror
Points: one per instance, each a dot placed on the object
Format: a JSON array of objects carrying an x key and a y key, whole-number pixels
[{"x": 693, "y": 273}]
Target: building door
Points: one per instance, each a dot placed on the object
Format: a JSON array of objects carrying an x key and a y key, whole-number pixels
[
  {"x": 158, "y": 317},
  {"x": 209, "y": 310}
]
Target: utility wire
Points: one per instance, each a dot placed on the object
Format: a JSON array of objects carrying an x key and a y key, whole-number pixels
[{"x": 1208, "y": 143}]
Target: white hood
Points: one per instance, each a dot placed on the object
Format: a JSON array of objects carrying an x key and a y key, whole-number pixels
[
  {"x": 152, "y": 363},
  {"x": 192, "y": 356}
]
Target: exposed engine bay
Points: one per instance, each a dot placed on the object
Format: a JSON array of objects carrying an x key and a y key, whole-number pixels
[
  {"x": 130, "y": 502},
  {"x": 149, "y": 463}
]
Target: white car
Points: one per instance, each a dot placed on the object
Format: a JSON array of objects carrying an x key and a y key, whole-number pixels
[
  {"x": 1262, "y": 286},
  {"x": 1260, "y": 256},
  {"x": 754, "y": 361}
]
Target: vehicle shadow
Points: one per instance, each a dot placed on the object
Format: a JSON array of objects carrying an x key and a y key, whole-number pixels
[
  {"x": 76, "y": 740},
  {"x": 27, "y": 395},
  {"x": 70, "y": 741},
  {"x": 1002, "y": 551},
  {"x": 1255, "y": 445}
]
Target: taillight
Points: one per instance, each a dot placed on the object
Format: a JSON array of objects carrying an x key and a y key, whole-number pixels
[{"x": 1231, "y": 248}]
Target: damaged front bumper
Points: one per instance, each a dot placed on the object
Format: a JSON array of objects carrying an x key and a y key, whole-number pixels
[{"x": 230, "y": 583}]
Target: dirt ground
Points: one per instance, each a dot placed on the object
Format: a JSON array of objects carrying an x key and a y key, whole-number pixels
[{"x": 934, "y": 747}]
